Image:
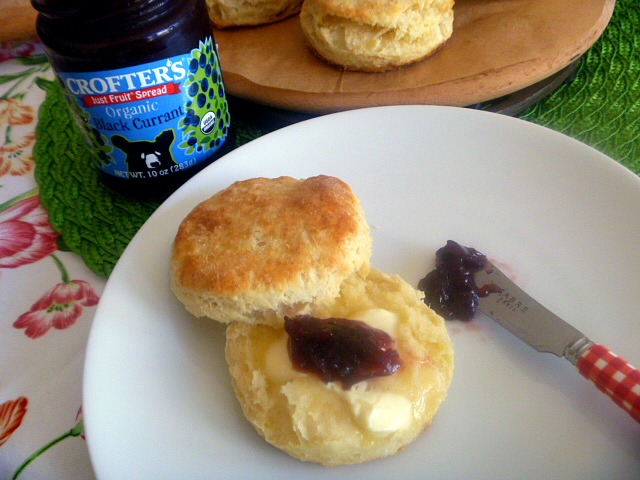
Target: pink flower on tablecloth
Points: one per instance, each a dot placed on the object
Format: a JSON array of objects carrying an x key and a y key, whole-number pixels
[
  {"x": 80, "y": 423},
  {"x": 15, "y": 48},
  {"x": 16, "y": 158},
  {"x": 11, "y": 415},
  {"x": 25, "y": 233},
  {"x": 59, "y": 308},
  {"x": 14, "y": 111}
]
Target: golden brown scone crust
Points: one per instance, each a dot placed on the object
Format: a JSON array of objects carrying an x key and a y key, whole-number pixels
[
  {"x": 240, "y": 13},
  {"x": 376, "y": 35},
  {"x": 313, "y": 422},
  {"x": 262, "y": 248}
]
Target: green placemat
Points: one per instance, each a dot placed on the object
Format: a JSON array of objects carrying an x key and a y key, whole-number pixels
[
  {"x": 93, "y": 222},
  {"x": 600, "y": 107}
]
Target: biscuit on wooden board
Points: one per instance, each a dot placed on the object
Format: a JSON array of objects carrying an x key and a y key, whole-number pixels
[
  {"x": 376, "y": 35},
  {"x": 239, "y": 13}
]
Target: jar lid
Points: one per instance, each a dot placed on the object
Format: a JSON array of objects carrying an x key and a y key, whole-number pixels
[{"x": 83, "y": 14}]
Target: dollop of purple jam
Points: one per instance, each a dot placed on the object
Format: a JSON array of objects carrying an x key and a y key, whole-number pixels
[
  {"x": 340, "y": 350},
  {"x": 450, "y": 289}
]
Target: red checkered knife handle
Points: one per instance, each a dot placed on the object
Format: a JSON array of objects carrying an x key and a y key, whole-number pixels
[{"x": 614, "y": 376}]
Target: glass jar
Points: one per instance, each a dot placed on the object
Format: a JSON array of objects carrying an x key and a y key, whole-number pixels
[{"x": 143, "y": 80}]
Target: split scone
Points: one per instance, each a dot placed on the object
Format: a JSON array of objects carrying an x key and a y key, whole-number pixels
[
  {"x": 240, "y": 13},
  {"x": 375, "y": 35},
  {"x": 323, "y": 422},
  {"x": 268, "y": 247},
  {"x": 332, "y": 361}
]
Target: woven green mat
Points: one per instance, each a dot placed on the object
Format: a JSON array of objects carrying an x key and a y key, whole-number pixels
[
  {"x": 600, "y": 107},
  {"x": 93, "y": 222}
]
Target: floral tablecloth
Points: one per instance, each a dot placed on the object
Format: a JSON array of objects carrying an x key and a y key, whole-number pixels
[
  {"x": 47, "y": 297},
  {"x": 48, "y": 294}
]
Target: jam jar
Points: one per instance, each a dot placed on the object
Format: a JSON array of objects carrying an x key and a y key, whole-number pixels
[{"x": 143, "y": 81}]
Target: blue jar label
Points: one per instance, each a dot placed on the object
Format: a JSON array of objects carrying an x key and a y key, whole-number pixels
[{"x": 154, "y": 119}]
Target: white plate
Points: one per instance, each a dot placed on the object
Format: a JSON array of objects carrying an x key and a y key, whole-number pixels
[{"x": 563, "y": 218}]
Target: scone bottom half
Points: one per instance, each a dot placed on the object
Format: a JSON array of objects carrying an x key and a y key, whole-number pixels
[
  {"x": 325, "y": 423},
  {"x": 268, "y": 247}
]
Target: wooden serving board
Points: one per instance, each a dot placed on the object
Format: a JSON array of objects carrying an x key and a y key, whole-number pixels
[{"x": 498, "y": 47}]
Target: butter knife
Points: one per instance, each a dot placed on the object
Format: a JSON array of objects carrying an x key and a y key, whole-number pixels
[{"x": 510, "y": 306}]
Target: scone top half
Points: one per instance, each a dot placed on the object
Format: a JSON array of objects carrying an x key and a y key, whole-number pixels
[{"x": 268, "y": 247}]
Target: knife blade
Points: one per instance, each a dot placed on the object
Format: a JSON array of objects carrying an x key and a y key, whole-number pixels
[{"x": 514, "y": 309}]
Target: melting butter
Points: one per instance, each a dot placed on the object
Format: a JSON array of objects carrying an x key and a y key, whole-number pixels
[
  {"x": 378, "y": 318},
  {"x": 378, "y": 412},
  {"x": 278, "y": 363}
]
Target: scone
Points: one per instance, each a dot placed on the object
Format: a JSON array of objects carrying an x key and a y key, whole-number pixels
[
  {"x": 376, "y": 35},
  {"x": 239, "y": 13},
  {"x": 323, "y": 422},
  {"x": 266, "y": 247},
  {"x": 285, "y": 262}
]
